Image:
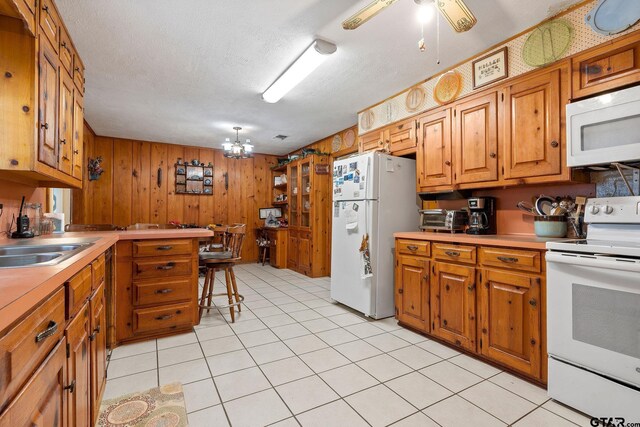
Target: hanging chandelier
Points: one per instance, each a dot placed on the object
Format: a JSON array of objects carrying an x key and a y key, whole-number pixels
[{"x": 236, "y": 149}]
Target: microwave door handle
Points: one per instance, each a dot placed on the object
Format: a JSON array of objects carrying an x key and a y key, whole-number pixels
[{"x": 587, "y": 261}]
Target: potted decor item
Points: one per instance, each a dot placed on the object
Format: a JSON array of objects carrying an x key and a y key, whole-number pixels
[{"x": 95, "y": 168}]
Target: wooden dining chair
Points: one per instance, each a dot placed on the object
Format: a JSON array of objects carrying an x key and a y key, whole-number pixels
[{"x": 223, "y": 260}]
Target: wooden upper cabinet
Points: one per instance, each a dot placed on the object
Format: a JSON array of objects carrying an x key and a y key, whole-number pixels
[
  {"x": 532, "y": 132},
  {"x": 78, "y": 73},
  {"x": 77, "y": 135},
  {"x": 50, "y": 23},
  {"x": 433, "y": 159},
  {"x": 609, "y": 66},
  {"x": 476, "y": 139},
  {"x": 373, "y": 140},
  {"x": 78, "y": 370},
  {"x": 453, "y": 304},
  {"x": 48, "y": 106},
  {"x": 42, "y": 401},
  {"x": 412, "y": 291},
  {"x": 66, "y": 52},
  {"x": 509, "y": 320},
  {"x": 23, "y": 9},
  {"x": 65, "y": 125},
  {"x": 402, "y": 137}
]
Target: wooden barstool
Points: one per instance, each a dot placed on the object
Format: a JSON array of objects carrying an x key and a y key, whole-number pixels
[{"x": 225, "y": 259}]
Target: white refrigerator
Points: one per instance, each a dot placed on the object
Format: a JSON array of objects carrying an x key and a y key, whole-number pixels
[{"x": 374, "y": 194}]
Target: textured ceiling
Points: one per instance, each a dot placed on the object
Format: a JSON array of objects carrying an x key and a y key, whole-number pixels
[{"x": 186, "y": 72}]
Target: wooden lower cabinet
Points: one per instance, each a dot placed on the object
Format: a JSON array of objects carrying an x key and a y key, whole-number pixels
[
  {"x": 78, "y": 369},
  {"x": 510, "y": 320},
  {"x": 292, "y": 250},
  {"x": 453, "y": 304},
  {"x": 412, "y": 291},
  {"x": 491, "y": 310},
  {"x": 42, "y": 401},
  {"x": 304, "y": 252},
  {"x": 98, "y": 350},
  {"x": 278, "y": 247}
]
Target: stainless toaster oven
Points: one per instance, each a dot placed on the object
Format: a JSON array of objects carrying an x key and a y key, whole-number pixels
[{"x": 451, "y": 220}]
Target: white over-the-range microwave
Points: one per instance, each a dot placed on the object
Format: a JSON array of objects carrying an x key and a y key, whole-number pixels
[{"x": 604, "y": 129}]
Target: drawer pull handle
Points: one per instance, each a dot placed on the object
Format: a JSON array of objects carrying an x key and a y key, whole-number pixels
[
  {"x": 508, "y": 259},
  {"x": 52, "y": 327},
  {"x": 164, "y": 291},
  {"x": 412, "y": 248},
  {"x": 71, "y": 387},
  {"x": 164, "y": 317},
  {"x": 96, "y": 331},
  {"x": 452, "y": 253},
  {"x": 164, "y": 248},
  {"x": 169, "y": 266}
]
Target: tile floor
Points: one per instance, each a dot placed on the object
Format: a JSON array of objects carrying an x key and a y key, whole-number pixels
[{"x": 295, "y": 358}]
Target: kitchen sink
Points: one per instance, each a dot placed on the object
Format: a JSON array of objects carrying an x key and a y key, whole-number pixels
[{"x": 36, "y": 254}]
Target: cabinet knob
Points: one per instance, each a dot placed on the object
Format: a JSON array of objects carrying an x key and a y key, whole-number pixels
[
  {"x": 471, "y": 288},
  {"x": 45, "y": 125},
  {"x": 533, "y": 302},
  {"x": 76, "y": 152},
  {"x": 444, "y": 322},
  {"x": 71, "y": 387},
  {"x": 63, "y": 44},
  {"x": 447, "y": 162},
  {"x": 63, "y": 142},
  {"x": 554, "y": 144},
  {"x": 400, "y": 291},
  {"x": 45, "y": 8},
  {"x": 492, "y": 155}
]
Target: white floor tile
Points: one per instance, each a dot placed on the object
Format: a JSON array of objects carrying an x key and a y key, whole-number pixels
[
  {"x": 418, "y": 390},
  {"x": 132, "y": 365},
  {"x": 379, "y": 405},
  {"x": 345, "y": 319},
  {"x": 228, "y": 362},
  {"x": 415, "y": 357},
  {"x": 389, "y": 324},
  {"x": 214, "y": 332},
  {"x": 522, "y": 388},
  {"x": 290, "y": 331},
  {"x": 416, "y": 420},
  {"x": 474, "y": 365},
  {"x": 543, "y": 418},
  {"x": 200, "y": 394},
  {"x": 364, "y": 330},
  {"x": 456, "y": 412},
  {"x": 325, "y": 359},
  {"x": 319, "y": 325},
  {"x": 384, "y": 367},
  {"x": 336, "y": 336},
  {"x": 255, "y": 338},
  {"x": 278, "y": 320},
  {"x": 213, "y": 416},
  {"x": 304, "y": 315},
  {"x": 293, "y": 307},
  {"x": 248, "y": 326},
  {"x": 357, "y": 350},
  {"x": 267, "y": 311},
  {"x": 307, "y": 393},
  {"x": 438, "y": 349},
  {"x": 286, "y": 370},
  {"x": 257, "y": 409},
  {"x": 270, "y": 352},
  {"x": 566, "y": 412},
  {"x": 387, "y": 342},
  {"x": 241, "y": 383},
  {"x": 133, "y": 349},
  {"x": 348, "y": 379},
  {"x": 497, "y": 401},
  {"x": 184, "y": 353},
  {"x": 451, "y": 376},
  {"x": 331, "y": 310},
  {"x": 305, "y": 344},
  {"x": 185, "y": 373},
  {"x": 410, "y": 336},
  {"x": 336, "y": 413},
  {"x": 177, "y": 340},
  {"x": 289, "y": 422},
  {"x": 130, "y": 384},
  {"x": 221, "y": 345}
]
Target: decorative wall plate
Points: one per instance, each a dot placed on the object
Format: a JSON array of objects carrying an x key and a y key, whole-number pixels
[
  {"x": 547, "y": 43},
  {"x": 448, "y": 87},
  {"x": 415, "y": 99},
  {"x": 367, "y": 119},
  {"x": 349, "y": 138},
  {"x": 336, "y": 144},
  {"x": 613, "y": 16}
]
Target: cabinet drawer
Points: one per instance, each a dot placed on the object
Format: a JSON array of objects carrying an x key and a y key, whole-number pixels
[
  {"x": 66, "y": 52},
  {"x": 458, "y": 253},
  {"x": 167, "y": 317},
  {"x": 27, "y": 344},
  {"x": 161, "y": 267},
  {"x": 27, "y": 9},
  {"x": 413, "y": 247},
  {"x": 97, "y": 272},
  {"x": 50, "y": 23},
  {"x": 162, "y": 247},
  {"x": 511, "y": 259},
  {"x": 402, "y": 136},
  {"x": 78, "y": 73},
  {"x": 162, "y": 292},
  {"x": 78, "y": 290}
]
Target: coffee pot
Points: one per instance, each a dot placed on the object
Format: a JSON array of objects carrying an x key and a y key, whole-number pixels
[{"x": 482, "y": 215}]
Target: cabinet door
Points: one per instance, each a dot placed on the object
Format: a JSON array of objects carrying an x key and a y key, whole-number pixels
[
  {"x": 412, "y": 291},
  {"x": 78, "y": 361},
  {"x": 453, "y": 304},
  {"x": 402, "y": 137},
  {"x": 48, "y": 105},
  {"x": 294, "y": 195},
  {"x": 98, "y": 343},
  {"x": 42, "y": 401},
  {"x": 509, "y": 306},
  {"x": 304, "y": 252},
  {"x": 532, "y": 145},
  {"x": 50, "y": 23},
  {"x": 434, "y": 149},
  {"x": 476, "y": 139},
  {"x": 371, "y": 141},
  {"x": 292, "y": 250},
  {"x": 78, "y": 135},
  {"x": 65, "y": 125}
]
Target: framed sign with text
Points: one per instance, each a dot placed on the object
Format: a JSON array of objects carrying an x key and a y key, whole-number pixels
[{"x": 490, "y": 68}]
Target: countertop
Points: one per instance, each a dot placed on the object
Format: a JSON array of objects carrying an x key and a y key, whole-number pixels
[
  {"x": 23, "y": 288},
  {"x": 507, "y": 240}
]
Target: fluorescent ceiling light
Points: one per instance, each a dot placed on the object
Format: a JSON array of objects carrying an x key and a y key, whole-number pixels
[{"x": 310, "y": 59}]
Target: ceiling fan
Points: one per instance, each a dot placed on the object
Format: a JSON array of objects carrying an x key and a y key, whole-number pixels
[{"x": 455, "y": 12}]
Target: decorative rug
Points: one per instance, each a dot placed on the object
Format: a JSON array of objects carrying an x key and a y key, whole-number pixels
[{"x": 159, "y": 407}]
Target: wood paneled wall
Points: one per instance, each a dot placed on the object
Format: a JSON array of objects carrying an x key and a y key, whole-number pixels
[{"x": 128, "y": 191}]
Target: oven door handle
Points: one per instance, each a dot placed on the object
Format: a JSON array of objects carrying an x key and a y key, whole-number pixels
[{"x": 608, "y": 262}]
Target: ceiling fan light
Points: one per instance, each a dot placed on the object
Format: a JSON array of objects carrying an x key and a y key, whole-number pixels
[
  {"x": 425, "y": 12},
  {"x": 310, "y": 59}
]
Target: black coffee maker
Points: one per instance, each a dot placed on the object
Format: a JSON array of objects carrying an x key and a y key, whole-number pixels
[{"x": 482, "y": 215}]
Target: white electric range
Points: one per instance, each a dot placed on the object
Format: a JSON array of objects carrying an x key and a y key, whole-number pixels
[{"x": 593, "y": 312}]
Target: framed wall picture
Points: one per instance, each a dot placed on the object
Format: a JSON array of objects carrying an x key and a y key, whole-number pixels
[
  {"x": 490, "y": 68},
  {"x": 264, "y": 212}
]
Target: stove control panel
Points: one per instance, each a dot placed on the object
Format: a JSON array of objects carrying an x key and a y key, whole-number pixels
[{"x": 613, "y": 210}]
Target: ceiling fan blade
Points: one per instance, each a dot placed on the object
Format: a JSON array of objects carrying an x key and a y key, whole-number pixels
[
  {"x": 457, "y": 13},
  {"x": 366, "y": 13}
]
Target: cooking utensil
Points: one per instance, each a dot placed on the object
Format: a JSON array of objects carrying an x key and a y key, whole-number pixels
[
  {"x": 544, "y": 204},
  {"x": 527, "y": 208},
  {"x": 558, "y": 210}
]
